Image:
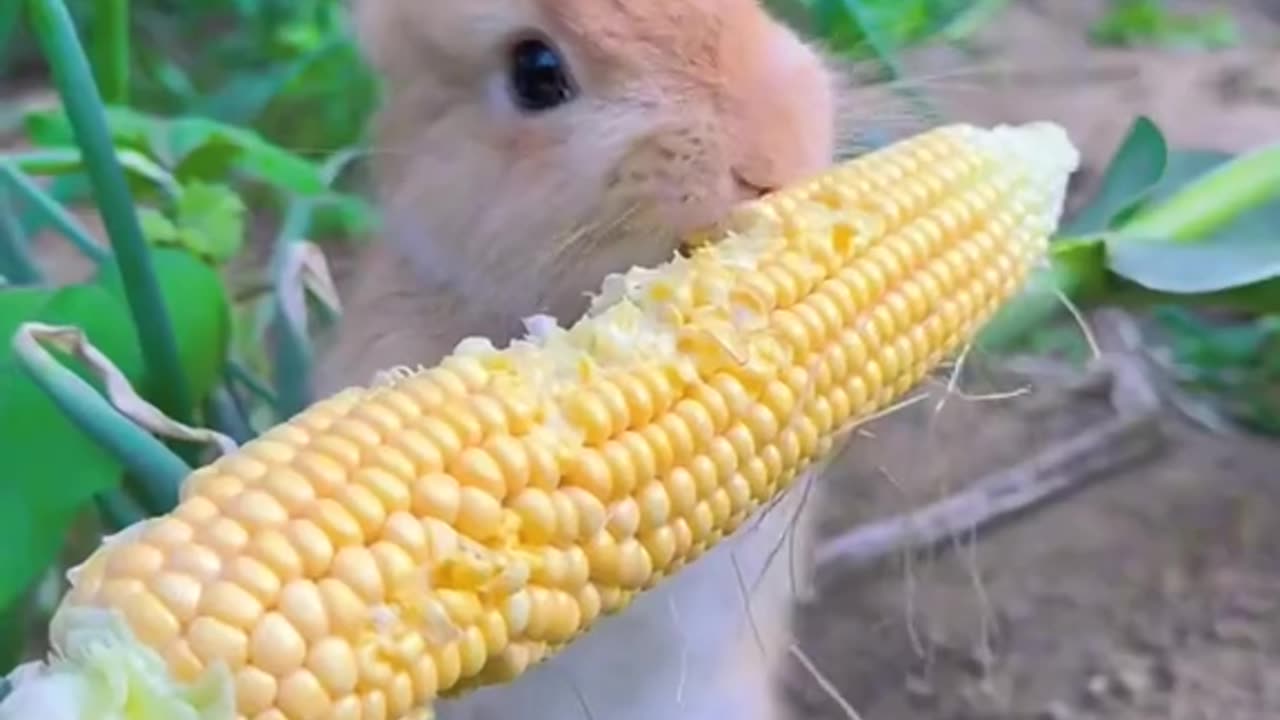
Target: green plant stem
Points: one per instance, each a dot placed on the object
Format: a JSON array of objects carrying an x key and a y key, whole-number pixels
[
  {"x": 228, "y": 415},
  {"x": 111, "y": 45},
  {"x": 293, "y": 351},
  {"x": 1042, "y": 300},
  {"x": 16, "y": 264},
  {"x": 52, "y": 212},
  {"x": 158, "y": 471},
  {"x": 117, "y": 510},
  {"x": 240, "y": 375},
  {"x": 1211, "y": 201},
  {"x": 293, "y": 355},
  {"x": 115, "y": 203}
]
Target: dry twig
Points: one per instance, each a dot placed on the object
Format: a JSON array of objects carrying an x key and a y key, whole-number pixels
[{"x": 1131, "y": 435}]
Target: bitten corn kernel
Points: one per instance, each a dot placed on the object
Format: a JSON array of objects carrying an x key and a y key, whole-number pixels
[{"x": 449, "y": 527}]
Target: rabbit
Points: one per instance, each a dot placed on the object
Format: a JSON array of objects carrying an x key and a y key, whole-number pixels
[{"x": 525, "y": 149}]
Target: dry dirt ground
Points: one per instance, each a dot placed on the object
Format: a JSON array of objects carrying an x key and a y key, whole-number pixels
[{"x": 1152, "y": 593}]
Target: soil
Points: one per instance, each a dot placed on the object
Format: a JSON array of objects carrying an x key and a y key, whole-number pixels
[
  {"x": 1150, "y": 593},
  {"x": 1154, "y": 592}
]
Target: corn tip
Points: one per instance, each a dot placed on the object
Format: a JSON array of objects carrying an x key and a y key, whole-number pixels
[{"x": 99, "y": 671}]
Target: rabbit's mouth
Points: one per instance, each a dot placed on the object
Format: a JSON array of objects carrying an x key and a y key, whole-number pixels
[
  {"x": 744, "y": 190},
  {"x": 748, "y": 189}
]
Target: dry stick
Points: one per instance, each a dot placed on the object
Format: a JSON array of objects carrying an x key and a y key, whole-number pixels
[
  {"x": 1131, "y": 435},
  {"x": 823, "y": 682},
  {"x": 1094, "y": 452}
]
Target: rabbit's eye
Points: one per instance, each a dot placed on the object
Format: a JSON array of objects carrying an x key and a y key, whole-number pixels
[{"x": 539, "y": 76}]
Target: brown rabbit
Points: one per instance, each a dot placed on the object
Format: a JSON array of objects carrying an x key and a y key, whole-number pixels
[
  {"x": 529, "y": 147},
  {"x": 526, "y": 149}
]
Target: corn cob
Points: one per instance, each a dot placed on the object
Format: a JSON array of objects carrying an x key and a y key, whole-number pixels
[{"x": 448, "y": 527}]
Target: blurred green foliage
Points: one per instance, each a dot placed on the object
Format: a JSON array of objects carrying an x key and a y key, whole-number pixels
[
  {"x": 1153, "y": 23},
  {"x": 1188, "y": 234},
  {"x": 277, "y": 65},
  {"x": 264, "y": 64},
  {"x": 868, "y": 27},
  {"x": 1233, "y": 362}
]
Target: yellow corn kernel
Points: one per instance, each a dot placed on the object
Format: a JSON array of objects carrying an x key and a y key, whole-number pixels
[{"x": 450, "y": 527}]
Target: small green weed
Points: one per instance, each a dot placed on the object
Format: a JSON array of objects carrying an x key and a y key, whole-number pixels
[{"x": 1233, "y": 361}]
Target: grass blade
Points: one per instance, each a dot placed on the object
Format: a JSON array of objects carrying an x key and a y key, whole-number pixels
[{"x": 78, "y": 91}]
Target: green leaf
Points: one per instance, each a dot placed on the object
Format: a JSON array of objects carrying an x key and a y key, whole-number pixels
[
  {"x": 13, "y": 622},
  {"x": 872, "y": 27},
  {"x": 139, "y": 166},
  {"x": 1235, "y": 364},
  {"x": 55, "y": 163},
  {"x": 128, "y": 128},
  {"x": 209, "y": 148},
  {"x": 156, "y": 228},
  {"x": 1081, "y": 262},
  {"x": 345, "y": 215},
  {"x": 62, "y": 162},
  {"x": 211, "y": 221},
  {"x": 203, "y": 150},
  {"x": 48, "y": 128},
  {"x": 51, "y": 469},
  {"x": 1215, "y": 345},
  {"x": 202, "y": 322},
  {"x": 190, "y": 148},
  {"x": 1231, "y": 261},
  {"x": 1182, "y": 167},
  {"x": 245, "y": 98},
  {"x": 1208, "y": 203},
  {"x": 1244, "y": 252},
  {"x": 1134, "y": 170},
  {"x": 10, "y": 21}
]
